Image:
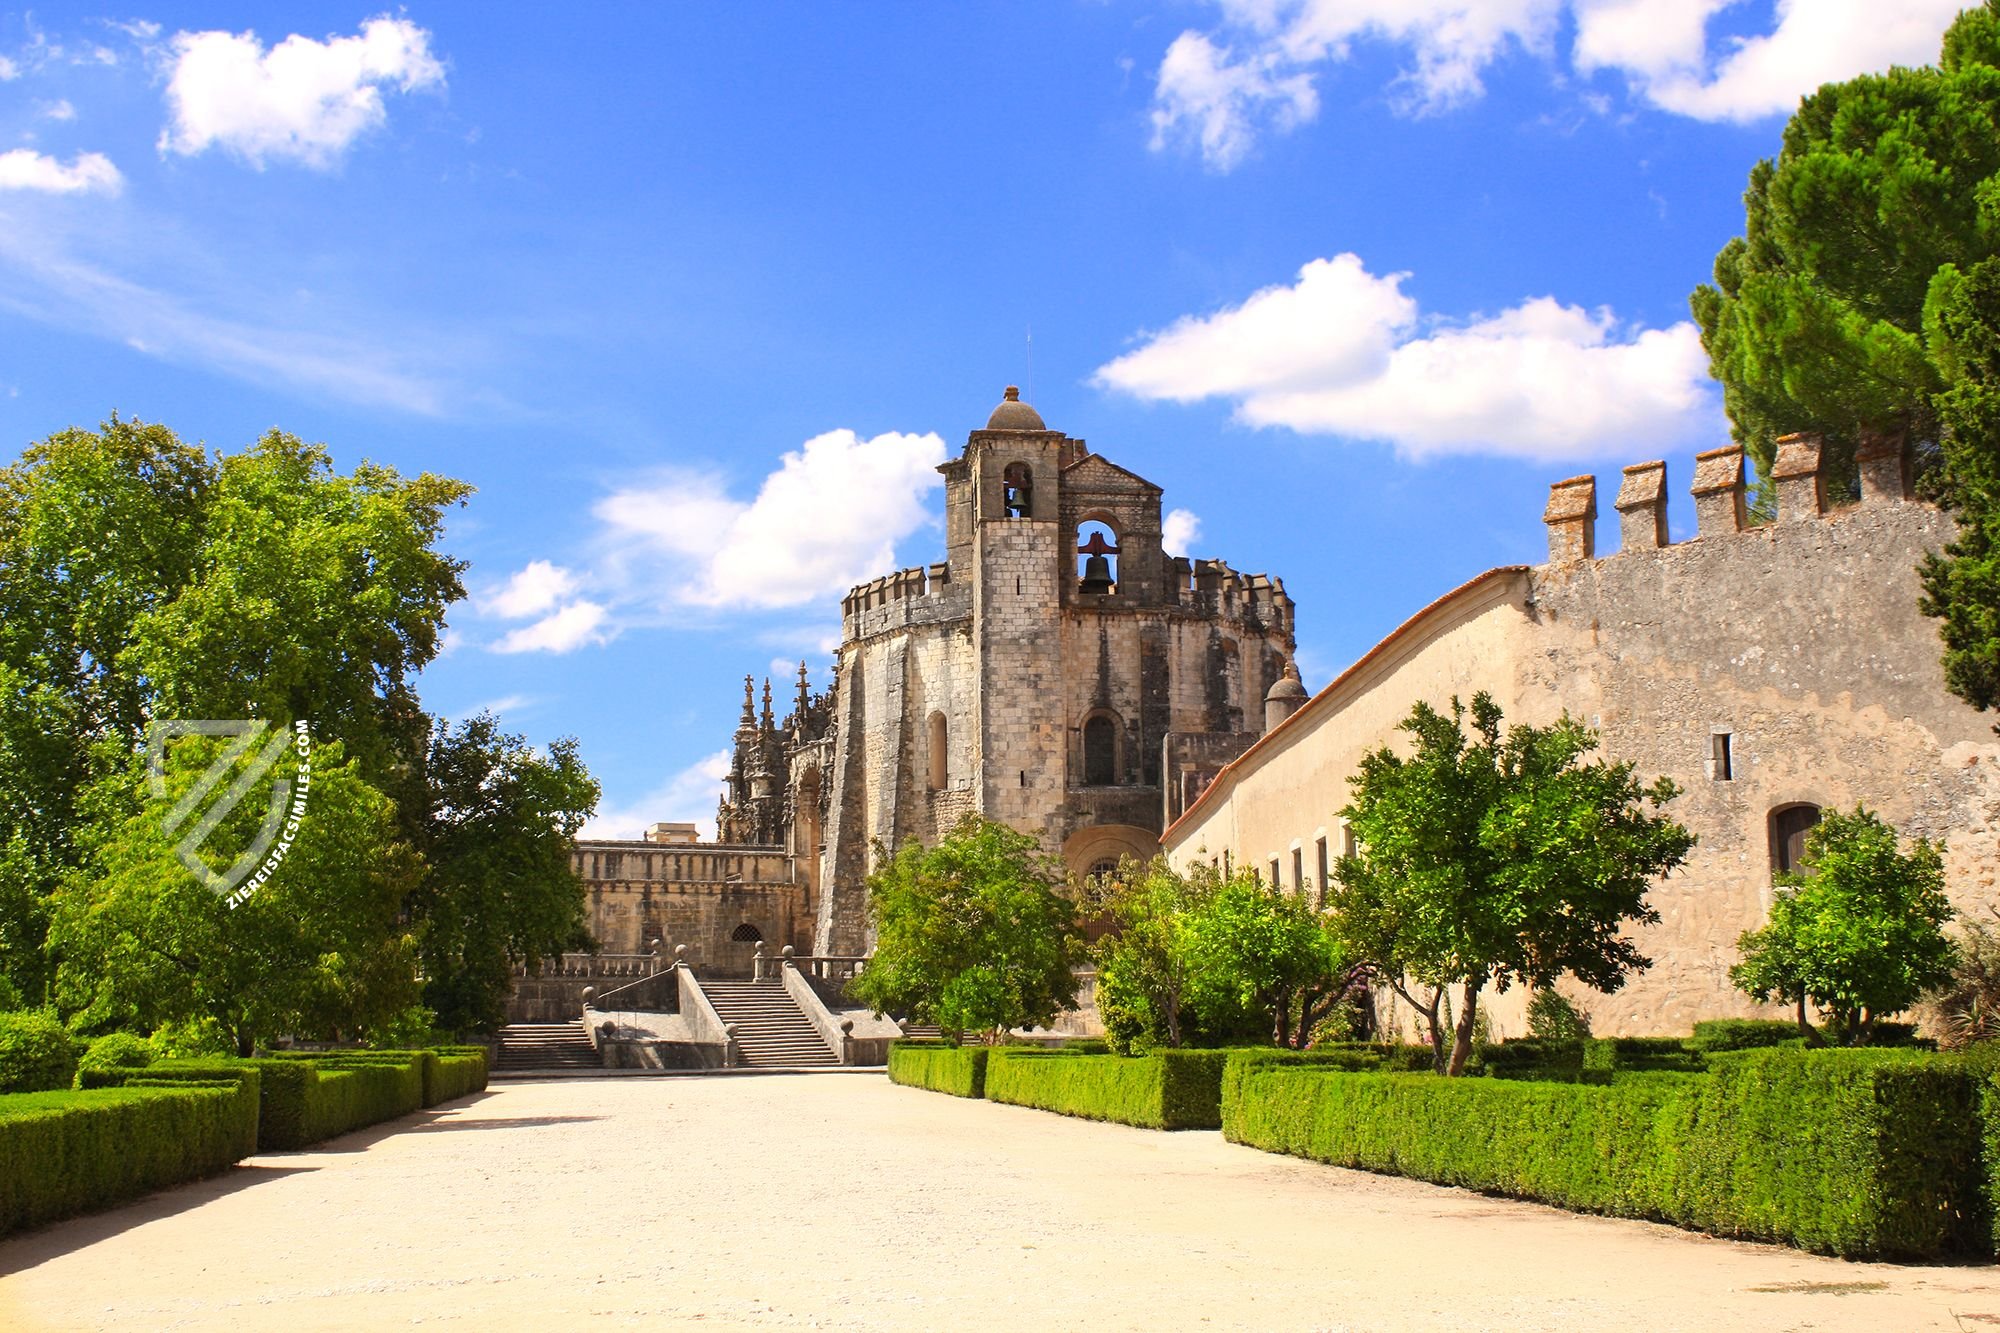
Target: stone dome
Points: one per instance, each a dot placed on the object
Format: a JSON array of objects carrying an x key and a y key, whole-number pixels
[
  {"x": 1013, "y": 414},
  {"x": 1288, "y": 687}
]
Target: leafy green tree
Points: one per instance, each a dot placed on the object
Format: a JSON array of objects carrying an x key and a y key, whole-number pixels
[
  {"x": 972, "y": 934},
  {"x": 1264, "y": 952},
  {"x": 1486, "y": 861},
  {"x": 496, "y": 829},
  {"x": 1819, "y": 314},
  {"x": 318, "y": 949},
  {"x": 1146, "y": 965},
  {"x": 1860, "y": 933},
  {"x": 1552, "y": 1016},
  {"x": 1962, "y": 586}
]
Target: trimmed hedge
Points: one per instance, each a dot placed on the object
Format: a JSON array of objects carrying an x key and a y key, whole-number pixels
[
  {"x": 1857, "y": 1153},
  {"x": 1743, "y": 1034},
  {"x": 958, "y": 1070},
  {"x": 117, "y": 1050},
  {"x": 303, "y": 1100},
  {"x": 68, "y": 1152},
  {"x": 446, "y": 1071},
  {"x": 1161, "y": 1090},
  {"x": 35, "y": 1053}
]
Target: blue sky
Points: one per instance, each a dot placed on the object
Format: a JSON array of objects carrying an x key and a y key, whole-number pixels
[{"x": 697, "y": 296}]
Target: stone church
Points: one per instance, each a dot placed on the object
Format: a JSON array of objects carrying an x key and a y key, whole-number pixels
[{"x": 1057, "y": 670}]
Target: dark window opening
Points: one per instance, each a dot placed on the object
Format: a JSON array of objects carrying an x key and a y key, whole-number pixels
[
  {"x": 1325, "y": 872},
  {"x": 1789, "y": 826},
  {"x": 1276, "y": 883},
  {"x": 937, "y": 751},
  {"x": 1100, "y": 745},
  {"x": 746, "y": 934},
  {"x": 1017, "y": 485},
  {"x": 1720, "y": 761}
]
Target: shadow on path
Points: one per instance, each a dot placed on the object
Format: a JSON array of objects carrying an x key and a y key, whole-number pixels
[{"x": 25, "y": 1249}]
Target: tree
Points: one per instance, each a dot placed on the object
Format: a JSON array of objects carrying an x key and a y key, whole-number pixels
[
  {"x": 1860, "y": 933},
  {"x": 497, "y": 824},
  {"x": 1962, "y": 586},
  {"x": 972, "y": 934},
  {"x": 1817, "y": 320},
  {"x": 1146, "y": 966},
  {"x": 1489, "y": 862},
  {"x": 1268, "y": 953},
  {"x": 318, "y": 949}
]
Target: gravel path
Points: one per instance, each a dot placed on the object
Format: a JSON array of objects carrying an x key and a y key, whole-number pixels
[{"x": 840, "y": 1201}]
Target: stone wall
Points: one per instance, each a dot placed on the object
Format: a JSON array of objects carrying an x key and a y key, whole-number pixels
[
  {"x": 1800, "y": 641},
  {"x": 699, "y": 895}
]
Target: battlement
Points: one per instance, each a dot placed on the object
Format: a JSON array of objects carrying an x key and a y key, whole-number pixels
[
  {"x": 1798, "y": 474},
  {"x": 918, "y": 595},
  {"x": 1211, "y": 587}
]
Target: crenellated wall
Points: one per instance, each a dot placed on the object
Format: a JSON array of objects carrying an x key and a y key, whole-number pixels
[{"x": 1759, "y": 666}]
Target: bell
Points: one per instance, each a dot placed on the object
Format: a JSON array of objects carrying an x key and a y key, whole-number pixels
[{"x": 1096, "y": 575}]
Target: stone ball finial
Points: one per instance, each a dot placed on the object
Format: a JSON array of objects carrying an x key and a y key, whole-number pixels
[
  {"x": 787, "y": 951},
  {"x": 1013, "y": 414},
  {"x": 589, "y": 994}
]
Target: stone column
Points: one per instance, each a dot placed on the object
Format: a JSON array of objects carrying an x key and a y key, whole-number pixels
[
  {"x": 1642, "y": 507},
  {"x": 1572, "y": 519},
  {"x": 1718, "y": 492},
  {"x": 1801, "y": 493}
]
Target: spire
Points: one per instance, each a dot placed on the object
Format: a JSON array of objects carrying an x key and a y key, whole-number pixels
[
  {"x": 805, "y": 693},
  {"x": 749, "y": 704},
  {"x": 769, "y": 725}
]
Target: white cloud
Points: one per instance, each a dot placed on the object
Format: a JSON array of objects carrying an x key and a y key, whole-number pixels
[
  {"x": 688, "y": 796},
  {"x": 1179, "y": 531},
  {"x": 87, "y": 173},
  {"x": 563, "y": 631},
  {"x": 1815, "y": 42},
  {"x": 530, "y": 591},
  {"x": 8, "y": 70},
  {"x": 303, "y": 100},
  {"x": 1253, "y": 72},
  {"x": 506, "y": 703},
  {"x": 57, "y": 110},
  {"x": 828, "y": 518},
  {"x": 1343, "y": 352}
]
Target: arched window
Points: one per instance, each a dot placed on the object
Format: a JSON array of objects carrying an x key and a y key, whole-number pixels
[
  {"x": 937, "y": 739},
  {"x": 1096, "y": 557},
  {"x": 746, "y": 934},
  {"x": 1100, "y": 751},
  {"x": 1789, "y": 826},
  {"x": 1017, "y": 491}
]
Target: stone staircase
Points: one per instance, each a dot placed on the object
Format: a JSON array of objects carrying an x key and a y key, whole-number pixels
[
  {"x": 540, "y": 1047},
  {"x": 771, "y": 1033}
]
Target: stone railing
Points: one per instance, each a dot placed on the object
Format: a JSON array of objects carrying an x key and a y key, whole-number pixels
[{"x": 593, "y": 965}]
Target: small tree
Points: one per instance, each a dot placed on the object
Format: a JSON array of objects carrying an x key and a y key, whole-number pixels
[
  {"x": 1860, "y": 933},
  {"x": 1145, "y": 968},
  {"x": 1264, "y": 952},
  {"x": 1487, "y": 862},
  {"x": 971, "y": 934}
]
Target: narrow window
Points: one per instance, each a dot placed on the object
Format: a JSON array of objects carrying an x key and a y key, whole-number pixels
[
  {"x": 1100, "y": 752},
  {"x": 1226, "y": 870},
  {"x": 1276, "y": 883},
  {"x": 1721, "y": 764},
  {"x": 1298, "y": 870},
  {"x": 1789, "y": 826},
  {"x": 1349, "y": 847},
  {"x": 937, "y": 751}
]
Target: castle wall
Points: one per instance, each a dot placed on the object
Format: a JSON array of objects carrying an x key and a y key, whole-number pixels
[
  {"x": 1801, "y": 640},
  {"x": 694, "y": 894}
]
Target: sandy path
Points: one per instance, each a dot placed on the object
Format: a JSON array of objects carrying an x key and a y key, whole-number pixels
[{"x": 840, "y": 1201}]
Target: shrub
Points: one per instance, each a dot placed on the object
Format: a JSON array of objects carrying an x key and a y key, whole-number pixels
[
  {"x": 1742, "y": 1034},
  {"x": 1549, "y": 1061},
  {"x": 1641, "y": 1055},
  {"x": 1855, "y": 1153},
  {"x": 117, "y": 1050},
  {"x": 68, "y": 1152},
  {"x": 35, "y": 1052},
  {"x": 1553, "y": 1016},
  {"x": 305, "y": 1098},
  {"x": 958, "y": 1070},
  {"x": 1160, "y": 1090}
]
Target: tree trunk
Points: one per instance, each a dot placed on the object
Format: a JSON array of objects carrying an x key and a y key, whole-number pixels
[
  {"x": 246, "y": 1042},
  {"x": 1461, "y": 1045},
  {"x": 1806, "y": 1029}
]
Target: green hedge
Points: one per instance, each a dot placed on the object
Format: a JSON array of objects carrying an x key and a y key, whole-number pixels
[
  {"x": 305, "y": 1100},
  {"x": 1855, "y": 1153},
  {"x": 446, "y": 1071},
  {"x": 958, "y": 1070},
  {"x": 1161, "y": 1090},
  {"x": 117, "y": 1050},
  {"x": 1743, "y": 1034},
  {"x": 68, "y": 1152},
  {"x": 35, "y": 1052}
]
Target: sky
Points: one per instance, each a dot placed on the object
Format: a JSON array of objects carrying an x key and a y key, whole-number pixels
[{"x": 698, "y": 296}]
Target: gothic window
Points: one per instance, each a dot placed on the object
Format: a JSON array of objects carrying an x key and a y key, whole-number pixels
[
  {"x": 745, "y": 934},
  {"x": 937, "y": 741},
  {"x": 1789, "y": 826},
  {"x": 1096, "y": 557},
  {"x": 1017, "y": 486},
  {"x": 1100, "y": 752}
]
